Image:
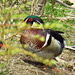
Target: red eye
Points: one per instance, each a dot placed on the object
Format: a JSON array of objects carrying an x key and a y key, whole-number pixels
[{"x": 30, "y": 19}]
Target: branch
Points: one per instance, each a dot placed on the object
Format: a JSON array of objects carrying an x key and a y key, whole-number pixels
[
  {"x": 15, "y": 33},
  {"x": 65, "y": 18},
  {"x": 71, "y": 25},
  {"x": 32, "y": 7},
  {"x": 12, "y": 36},
  {"x": 61, "y": 2},
  {"x": 13, "y": 4},
  {"x": 43, "y": 8},
  {"x": 70, "y": 48},
  {"x": 60, "y": 60},
  {"x": 40, "y": 6}
]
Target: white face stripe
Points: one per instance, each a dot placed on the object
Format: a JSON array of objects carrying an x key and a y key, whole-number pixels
[
  {"x": 38, "y": 21},
  {"x": 27, "y": 18},
  {"x": 47, "y": 37}
]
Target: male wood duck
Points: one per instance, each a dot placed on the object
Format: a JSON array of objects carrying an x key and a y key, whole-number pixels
[{"x": 51, "y": 45}]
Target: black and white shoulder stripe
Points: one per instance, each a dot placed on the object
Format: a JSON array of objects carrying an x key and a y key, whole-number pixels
[
  {"x": 48, "y": 40},
  {"x": 56, "y": 35}
]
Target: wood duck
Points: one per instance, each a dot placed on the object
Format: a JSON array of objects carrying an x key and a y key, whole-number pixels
[{"x": 51, "y": 45}]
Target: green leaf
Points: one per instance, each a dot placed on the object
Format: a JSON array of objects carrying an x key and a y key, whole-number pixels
[
  {"x": 19, "y": 24},
  {"x": 22, "y": 6},
  {"x": 13, "y": 52},
  {"x": 25, "y": 46},
  {"x": 41, "y": 26},
  {"x": 46, "y": 61},
  {"x": 9, "y": 52},
  {"x": 3, "y": 1},
  {"x": 28, "y": 3},
  {"x": 2, "y": 65},
  {"x": 47, "y": 26},
  {"x": 36, "y": 25},
  {"x": 42, "y": 39},
  {"x": 52, "y": 62},
  {"x": 36, "y": 36},
  {"x": 1, "y": 53},
  {"x": 56, "y": 25}
]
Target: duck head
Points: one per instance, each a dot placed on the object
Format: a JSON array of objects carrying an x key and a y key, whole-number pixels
[{"x": 32, "y": 19}]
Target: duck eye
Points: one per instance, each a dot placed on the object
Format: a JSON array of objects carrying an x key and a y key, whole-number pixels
[{"x": 30, "y": 19}]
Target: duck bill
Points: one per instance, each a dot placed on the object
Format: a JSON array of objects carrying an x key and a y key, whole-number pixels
[{"x": 25, "y": 21}]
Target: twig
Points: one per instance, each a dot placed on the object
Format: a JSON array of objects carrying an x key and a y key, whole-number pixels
[
  {"x": 63, "y": 20},
  {"x": 1, "y": 59},
  {"x": 70, "y": 48},
  {"x": 14, "y": 34},
  {"x": 43, "y": 8},
  {"x": 52, "y": 2},
  {"x": 61, "y": 2},
  {"x": 1, "y": 25},
  {"x": 60, "y": 60},
  {"x": 71, "y": 25},
  {"x": 66, "y": 18},
  {"x": 68, "y": 24},
  {"x": 37, "y": 1},
  {"x": 70, "y": 14},
  {"x": 32, "y": 7},
  {"x": 40, "y": 5},
  {"x": 13, "y": 4},
  {"x": 4, "y": 22}
]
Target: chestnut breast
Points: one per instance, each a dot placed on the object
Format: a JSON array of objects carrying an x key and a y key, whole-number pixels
[{"x": 32, "y": 37}]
